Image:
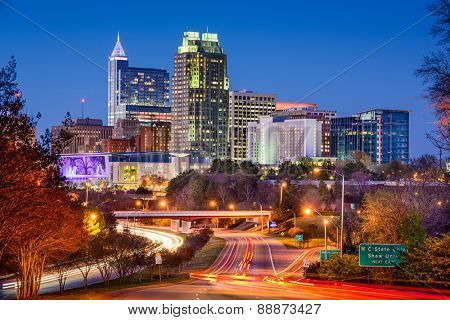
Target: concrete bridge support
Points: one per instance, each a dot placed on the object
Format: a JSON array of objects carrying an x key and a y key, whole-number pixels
[
  {"x": 175, "y": 225},
  {"x": 185, "y": 226}
]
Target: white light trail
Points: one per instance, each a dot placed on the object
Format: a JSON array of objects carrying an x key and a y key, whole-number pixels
[{"x": 168, "y": 241}]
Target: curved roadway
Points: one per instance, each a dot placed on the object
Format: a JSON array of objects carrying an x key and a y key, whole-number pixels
[
  {"x": 50, "y": 282},
  {"x": 252, "y": 266}
]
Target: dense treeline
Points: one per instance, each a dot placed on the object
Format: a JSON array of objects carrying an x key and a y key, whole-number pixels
[{"x": 39, "y": 224}]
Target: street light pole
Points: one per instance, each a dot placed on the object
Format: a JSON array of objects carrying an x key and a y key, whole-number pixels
[
  {"x": 87, "y": 185},
  {"x": 217, "y": 226},
  {"x": 295, "y": 219},
  {"x": 262, "y": 219},
  {"x": 308, "y": 211},
  {"x": 342, "y": 215},
  {"x": 282, "y": 185},
  {"x": 325, "y": 224},
  {"x": 342, "y": 204},
  {"x": 281, "y": 195}
]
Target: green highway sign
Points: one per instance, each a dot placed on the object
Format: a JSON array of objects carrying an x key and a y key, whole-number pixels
[
  {"x": 329, "y": 253},
  {"x": 380, "y": 255},
  {"x": 298, "y": 237}
]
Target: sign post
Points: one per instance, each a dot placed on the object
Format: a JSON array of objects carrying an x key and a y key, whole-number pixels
[
  {"x": 326, "y": 254},
  {"x": 271, "y": 224},
  {"x": 306, "y": 263},
  {"x": 158, "y": 261},
  {"x": 298, "y": 238},
  {"x": 380, "y": 255}
]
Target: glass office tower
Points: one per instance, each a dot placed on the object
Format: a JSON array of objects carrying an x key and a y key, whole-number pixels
[
  {"x": 381, "y": 134},
  {"x": 136, "y": 93},
  {"x": 200, "y": 97}
]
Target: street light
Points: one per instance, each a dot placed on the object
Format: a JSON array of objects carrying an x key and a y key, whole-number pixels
[
  {"x": 212, "y": 204},
  {"x": 231, "y": 207},
  {"x": 295, "y": 219},
  {"x": 87, "y": 184},
  {"x": 309, "y": 211},
  {"x": 164, "y": 204},
  {"x": 316, "y": 170},
  {"x": 325, "y": 222},
  {"x": 93, "y": 216},
  {"x": 139, "y": 203},
  {"x": 282, "y": 186},
  {"x": 260, "y": 210}
]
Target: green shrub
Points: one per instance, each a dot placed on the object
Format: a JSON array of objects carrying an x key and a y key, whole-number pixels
[{"x": 340, "y": 268}]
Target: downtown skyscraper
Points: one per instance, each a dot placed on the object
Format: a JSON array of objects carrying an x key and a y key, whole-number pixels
[
  {"x": 246, "y": 106},
  {"x": 136, "y": 93},
  {"x": 382, "y": 134},
  {"x": 200, "y": 107}
]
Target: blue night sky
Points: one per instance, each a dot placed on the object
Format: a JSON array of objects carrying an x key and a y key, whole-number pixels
[{"x": 283, "y": 47}]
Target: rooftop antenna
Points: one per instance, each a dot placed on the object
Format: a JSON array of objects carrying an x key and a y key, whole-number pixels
[
  {"x": 118, "y": 36},
  {"x": 82, "y": 100},
  {"x": 207, "y": 29}
]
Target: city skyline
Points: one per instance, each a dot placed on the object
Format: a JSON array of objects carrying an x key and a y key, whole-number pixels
[
  {"x": 224, "y": 159},
  {"x": 391, "y": 84}
]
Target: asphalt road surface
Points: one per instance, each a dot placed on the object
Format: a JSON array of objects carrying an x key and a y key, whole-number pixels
[
  {"x": 50, "y": 282},
  {"x": 252, "y": 266}
]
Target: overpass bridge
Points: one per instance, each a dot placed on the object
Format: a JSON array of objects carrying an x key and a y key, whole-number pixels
[{"x": 186, "y": 217}]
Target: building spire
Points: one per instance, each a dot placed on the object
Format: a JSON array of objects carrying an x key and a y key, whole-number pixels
[{"x": 118, "y": 50}]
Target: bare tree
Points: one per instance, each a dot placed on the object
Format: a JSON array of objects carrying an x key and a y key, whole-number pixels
[
  {"x": 62, "y": 272},
  {"x": 101, "y": 256},
  {"x": 435, "y": 71},
  {"x": 125, "y": 250}
]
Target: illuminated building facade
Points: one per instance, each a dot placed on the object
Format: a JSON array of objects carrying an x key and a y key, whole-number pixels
[
  {"x": 245, "y": 107},
  {"x": 126, "y": 129},
  {"x": 274, "y": 140},
  {"x": 295, "y": 110},
  {"x": 87, "y": 135},
  {"x": 154, "y": 137},
  {"x": 116, "y": 145},
  {"x": 136, "y": 93},
  {"x": 381, "y": 134},
  {"x": 127, "y": 169},
  {"x": 200, "y": 97}
]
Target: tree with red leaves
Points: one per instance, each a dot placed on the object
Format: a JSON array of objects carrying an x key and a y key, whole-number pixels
[{"x": 39, "y": 224}]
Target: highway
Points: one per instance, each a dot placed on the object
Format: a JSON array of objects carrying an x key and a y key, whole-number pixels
[
  {"x": 75, "y": 279},
  {"x": 252, "y": 266}
]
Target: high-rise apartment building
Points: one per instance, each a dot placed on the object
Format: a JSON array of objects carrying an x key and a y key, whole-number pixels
[
  {"x": 136, "y": 93},
  {"x": 274, "y": 140},
  {"x": 200, "y": 96},
  {"x": 295, "y": 110},
  {"x": 87, "y": 135},
  {"x": 245, "y": 107},
  {"x": 381, "y": 134}
]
